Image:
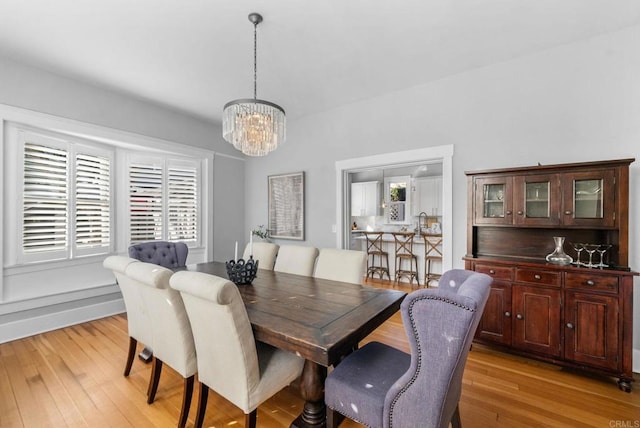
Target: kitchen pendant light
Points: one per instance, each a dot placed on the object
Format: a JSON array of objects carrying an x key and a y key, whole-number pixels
[{"x": 255, "y": 127}]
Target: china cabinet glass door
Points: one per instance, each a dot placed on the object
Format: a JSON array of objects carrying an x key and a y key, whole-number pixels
[
  {"x": 537, "y": 199},
  {"x": 589, "y": 199},
  {"x": 493, "y": 201}
]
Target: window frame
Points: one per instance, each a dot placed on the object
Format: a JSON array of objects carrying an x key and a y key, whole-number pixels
[
  {"x": 119, "y": 154},
  {"x": 165, "y": 162},
  {"x": 72, "y": 146}
]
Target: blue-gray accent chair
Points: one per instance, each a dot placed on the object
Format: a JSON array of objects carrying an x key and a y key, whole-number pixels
[
  {"x": 167, "y": 254},
  {"x": 380, "y": 386}
]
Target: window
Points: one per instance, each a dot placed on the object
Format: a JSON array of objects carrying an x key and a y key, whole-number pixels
[
  {"x": 164, "y": 200},
  {"x": 66, "y": 206},
  {"x": 71, "y": 196},
  {"x": 398, "y": 210}
]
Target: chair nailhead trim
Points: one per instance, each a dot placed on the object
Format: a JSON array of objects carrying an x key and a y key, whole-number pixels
[{"x": 419, "y": 351}]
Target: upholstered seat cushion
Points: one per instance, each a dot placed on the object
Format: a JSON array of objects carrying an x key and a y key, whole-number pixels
[{"x": 357, "y": 387}]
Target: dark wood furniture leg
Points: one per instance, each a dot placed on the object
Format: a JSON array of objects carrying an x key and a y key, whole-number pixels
[
  {"x": 156, "y": 370},
  {"x": 250, "y": 419},
  {"x": 455, "y": 419},
  {"x": 312, "y": 391},
  {"x": 186, "y": 400},
  {"x": 202, "y": 405},
  {"x": 132, "y": 352}
]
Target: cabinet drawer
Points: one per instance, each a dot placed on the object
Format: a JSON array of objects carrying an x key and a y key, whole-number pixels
[
  {"x": 536, "y": 276},
  {"x": 495, "y": 272},
  {"x": 587, "y": 281}
]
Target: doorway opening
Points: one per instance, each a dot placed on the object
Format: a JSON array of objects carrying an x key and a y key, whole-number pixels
[{"x": 393, "y": 192}]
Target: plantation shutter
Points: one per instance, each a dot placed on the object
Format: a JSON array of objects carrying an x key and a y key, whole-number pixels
[
  {"x": 145, "y": 202},
  {"x": 183, "y": 203},
  {"x": 92, "y": 201},
  {"x": 45, "y": 198}
]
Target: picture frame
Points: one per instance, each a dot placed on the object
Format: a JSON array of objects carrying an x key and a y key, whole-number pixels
[{"x": 286, "y": 206}]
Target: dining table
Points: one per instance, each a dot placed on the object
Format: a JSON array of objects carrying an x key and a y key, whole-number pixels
[{"x": 318, "y": 319}]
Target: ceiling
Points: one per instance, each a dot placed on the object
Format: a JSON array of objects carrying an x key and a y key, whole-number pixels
[{"x": 196, "y": 55}]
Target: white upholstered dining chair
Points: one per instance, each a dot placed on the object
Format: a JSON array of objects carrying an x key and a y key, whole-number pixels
[
  {"x": 230, "y": 361},
  {"x": 265, "y": 252},
  {"x": 296, "y": 259},
  {"x": 341, "y": 265},
  {"x": 138, "y": 324},
  {"x": 172, "y": 338}
]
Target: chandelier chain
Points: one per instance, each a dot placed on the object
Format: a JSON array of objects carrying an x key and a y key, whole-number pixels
[{"x": 255, "y": 60}]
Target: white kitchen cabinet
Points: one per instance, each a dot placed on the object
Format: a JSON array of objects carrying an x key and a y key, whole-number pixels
[
  {"x": 365, "y": 198},
  {"x": 428, "y": 196}
]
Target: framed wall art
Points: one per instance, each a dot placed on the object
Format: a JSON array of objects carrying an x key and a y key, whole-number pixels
[{"x": 286, "y": 206}]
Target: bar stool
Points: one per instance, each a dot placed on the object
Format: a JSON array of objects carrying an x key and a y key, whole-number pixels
[
  {"x": 404, "y": 252},
  {"x": 374, "y": 249},
  {"x": 432, "y": 253}
]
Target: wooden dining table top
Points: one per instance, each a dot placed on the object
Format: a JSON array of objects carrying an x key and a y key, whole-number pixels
[{"x": 319, "y": 319}]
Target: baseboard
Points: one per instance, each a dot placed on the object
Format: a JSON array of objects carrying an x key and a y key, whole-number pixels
[
  {"x": 636, "y": 361},
  {"x": 28, "y": 326}
]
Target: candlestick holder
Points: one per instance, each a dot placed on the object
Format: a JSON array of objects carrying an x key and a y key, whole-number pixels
[{"x": 242, "y": 272}]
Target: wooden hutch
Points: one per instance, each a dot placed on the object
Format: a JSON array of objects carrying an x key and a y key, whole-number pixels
[{"x": 572, "y": 315}]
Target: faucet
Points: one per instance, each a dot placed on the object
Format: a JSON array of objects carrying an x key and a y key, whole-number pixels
[{"x": 419, "y": 228}]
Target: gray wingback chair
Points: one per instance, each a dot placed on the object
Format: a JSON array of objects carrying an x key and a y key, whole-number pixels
[
  {"x": 167, "y": 254},
  {"x": 380, "y": 386}
]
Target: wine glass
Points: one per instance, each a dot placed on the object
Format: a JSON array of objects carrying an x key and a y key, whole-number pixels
[
  {"x": 591, "y": 248},
  {"x": 577, "y": 247},
  {"x": 601, "y": 250}
]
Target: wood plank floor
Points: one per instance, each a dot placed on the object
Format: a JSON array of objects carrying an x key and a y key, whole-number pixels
[{"x": 73, "y": 378}]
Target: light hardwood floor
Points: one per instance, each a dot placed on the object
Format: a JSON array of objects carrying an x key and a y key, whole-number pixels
[{"x": 73, "y": 377}]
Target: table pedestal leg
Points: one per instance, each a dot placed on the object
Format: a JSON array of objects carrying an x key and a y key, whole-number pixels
[{"x": 312, "y": 391}]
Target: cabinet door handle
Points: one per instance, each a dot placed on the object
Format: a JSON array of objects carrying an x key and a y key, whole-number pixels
[
  {"x": 508, "y": 213},
  {"x": 590, "y": 282},
  {"x": 569, "y": 325},
  {"x": 519, "y": 316},
  {"x": 520, "y": 212},
  {"x": 567, "y": 212},
  {"x": 507, "y": 314},
  {"x": 536, "y": 276},
  {"x": 492, "y": 272}
]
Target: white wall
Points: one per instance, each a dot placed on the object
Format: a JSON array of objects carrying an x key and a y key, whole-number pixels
[
  {"x": 577, "y": 102},
  {"x": 56, "y": 296}
]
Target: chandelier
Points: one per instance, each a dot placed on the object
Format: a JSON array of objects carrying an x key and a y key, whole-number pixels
[{"x": 255, "y": 127}]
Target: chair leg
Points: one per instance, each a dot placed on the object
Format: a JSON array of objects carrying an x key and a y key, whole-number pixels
[
  {"x": 186, "y": 401},
  {"x": 202, "y": 405},
  {"x": 333, "y": 418},
  {"x": 455, "y": 418},
  {"x": 130, "y": 355},
  {"x": 250, "y": 419},
  {"x": 386, "y": 257},
  {"x": 156, "y": 369}
]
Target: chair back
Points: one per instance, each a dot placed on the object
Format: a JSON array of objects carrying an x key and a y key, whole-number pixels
[
  {"x": 440, "y": 324},
  {"x": 138, "y": 322},
  {"x": 167, "y": 254},
  {"x": 265, "y": 252},
  {"x": 341, "y": 265},
  {"x": 226, "y": 349},
  {"x": 403, "y": 243},
  {"x": 172, "y": 338},
  {"x": 296, "y": 259},
  {"x": 374, "y": 242}
]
